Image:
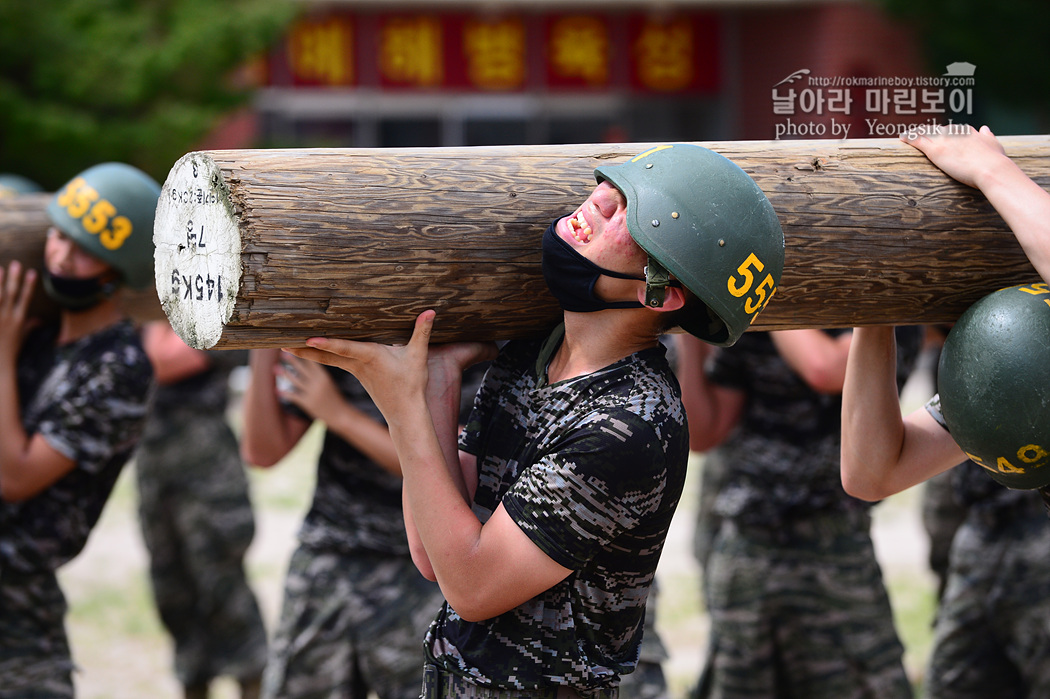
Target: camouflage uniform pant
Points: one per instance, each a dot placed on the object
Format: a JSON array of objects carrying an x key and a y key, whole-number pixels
[
  {"x": 800, "y": 610},
  {"x": 351, "y": 624},
  {"x": 992, "y": 635},
  {"x": 942, "y": 515},
  {"x": 197, "y": 524},
  {"x": 35, "y": 662},
  {"x": 713, "y": 474}
]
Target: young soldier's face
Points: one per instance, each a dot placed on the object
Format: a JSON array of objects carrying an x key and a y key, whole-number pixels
[
  {"x": 64, "y": 258},
  {"x": 598, "y": 231}
]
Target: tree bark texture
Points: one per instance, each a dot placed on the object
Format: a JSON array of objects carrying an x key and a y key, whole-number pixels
[{"x": 266, "y": 248}]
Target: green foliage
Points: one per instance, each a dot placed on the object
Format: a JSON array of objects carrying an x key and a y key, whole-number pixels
[
  {"x": 1007, "y": 40},
  {"x": 139, "y": 81}
]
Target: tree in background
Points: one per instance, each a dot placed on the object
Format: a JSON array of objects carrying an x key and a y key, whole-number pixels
[
  {"x": 139, "y": 81},
  {"x": 1008, "y": 41}
]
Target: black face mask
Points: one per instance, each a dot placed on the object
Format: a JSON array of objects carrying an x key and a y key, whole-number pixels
[
  {"x": 78, "y": 294},
  {"x": 571, "y": 277}
]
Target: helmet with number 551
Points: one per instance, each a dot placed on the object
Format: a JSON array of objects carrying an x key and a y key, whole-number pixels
[
  {"x": 108, "y": 210},
  {"x": 703, "y": 219}
]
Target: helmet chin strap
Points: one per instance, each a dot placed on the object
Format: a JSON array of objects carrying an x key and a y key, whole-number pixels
[{"x": 657, "y": 279}]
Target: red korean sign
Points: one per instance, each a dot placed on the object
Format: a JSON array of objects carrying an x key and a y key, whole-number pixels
[
  {"x": 319, "y": 52},
  {"x": 673, "y": 54}
]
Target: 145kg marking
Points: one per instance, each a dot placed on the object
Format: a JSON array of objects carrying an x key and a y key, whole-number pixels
[{"x": 196, "y": 287}]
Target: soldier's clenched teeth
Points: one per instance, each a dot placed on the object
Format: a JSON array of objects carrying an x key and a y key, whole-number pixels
[{"x": 580, "y": 231}]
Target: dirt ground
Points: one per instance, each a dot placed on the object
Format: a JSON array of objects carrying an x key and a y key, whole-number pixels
[{"x": 122, "y": 652}]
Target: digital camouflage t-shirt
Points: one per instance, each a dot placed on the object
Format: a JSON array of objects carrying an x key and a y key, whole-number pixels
[
  {"x": 591, "y": 469},
  {"x": 89, "y": 400},
  {"x": 357, "y": 503},
  {"x": 784, "y": 453}
]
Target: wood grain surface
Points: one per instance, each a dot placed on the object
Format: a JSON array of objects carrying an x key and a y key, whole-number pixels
[{"x": 356, "y": 242}]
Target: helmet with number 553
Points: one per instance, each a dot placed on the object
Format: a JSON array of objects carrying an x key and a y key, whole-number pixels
[
  {"x": 994, "y": 384},
  {"x": 701, "y": 218},
  {"x": 108, "y": 210}
]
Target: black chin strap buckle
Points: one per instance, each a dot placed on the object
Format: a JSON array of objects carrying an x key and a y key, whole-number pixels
[{"x": 657, "y": 279}]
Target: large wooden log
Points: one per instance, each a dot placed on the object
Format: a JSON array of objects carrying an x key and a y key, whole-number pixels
[
  {"x": 23, "y": 230},
  {"x": 23, "y": 226},
  {"x": 265, "y": 248}
]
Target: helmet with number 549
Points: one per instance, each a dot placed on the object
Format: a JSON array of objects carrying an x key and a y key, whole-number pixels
[
  {"x": 108, "y": 210},
  {"x": 994, "y": 384},
  {"x": 703, "y": 219}
]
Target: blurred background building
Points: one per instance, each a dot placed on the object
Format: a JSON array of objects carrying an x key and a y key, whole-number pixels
[
  {"x": 477, "y": 72},
  {"x": 83, "y": 81}
]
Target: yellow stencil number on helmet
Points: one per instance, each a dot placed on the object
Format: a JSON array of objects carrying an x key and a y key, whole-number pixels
[
  {"x": 77, "y": 197},
  {"x": 742, "y": 285},
  {"x": 97, "y": 216},
  {"x": 1031, "y": 454}
]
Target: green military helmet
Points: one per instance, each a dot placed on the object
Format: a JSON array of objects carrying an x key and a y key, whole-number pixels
[
  {"x": 994, "y": 384},
  {"x": 13, "y": 185},
  {"x": 704, "y": 220},
  {"x": 108, "y": 210}
]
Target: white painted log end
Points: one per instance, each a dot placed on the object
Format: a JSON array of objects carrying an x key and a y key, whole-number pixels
[{"x": 198, "y": 250}]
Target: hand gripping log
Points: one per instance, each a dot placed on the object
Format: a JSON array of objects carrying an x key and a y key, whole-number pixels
[{"x": 265, "y": 248}]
